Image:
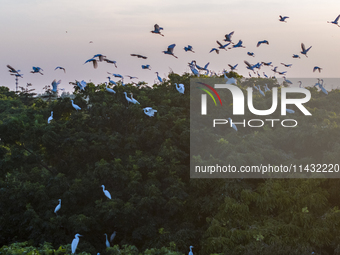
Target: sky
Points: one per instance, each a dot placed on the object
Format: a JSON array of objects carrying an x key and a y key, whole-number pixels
[{"x": 54, "y": 33}]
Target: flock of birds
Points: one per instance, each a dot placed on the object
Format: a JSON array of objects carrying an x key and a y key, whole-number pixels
[{"x": 196, "y": 69}]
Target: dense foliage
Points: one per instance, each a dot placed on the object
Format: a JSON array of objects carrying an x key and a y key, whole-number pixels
[{"x": 144, "y": 163}]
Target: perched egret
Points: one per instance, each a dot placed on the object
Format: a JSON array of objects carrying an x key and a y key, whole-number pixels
[
  {"x": 262, "y": 42},
  {"x": 127, "y": 98},
  {"x": 157, "y": 30},
  {"x": 287, "y": 81},
  {"x": 75, "y": 106},
  {"x": 50, "y": 118},
  {"x": 75, "y": 243},
  {"x": 159, "y": 78},
  {"x": 107, "y": 241},
  {"x": 55, "y": 84},
  {"x": 180, "y": 88},
  {"x": 37, "y": 69},
  {"x": 94, "y": 61},
  {"x": 108, "y": 89},
  {"x": 261, "y": 92},
  {"x": 304, "y": 50},
  {"x": 105, "y": 191},
  {"x": 228, "y": 37},
  {"x": 170, "y": 50},
  {"x": 112, "y": 236},
  {"x": 335, "y": 22},
  {"x": 264, "y": 74},
  {"x": 134, "y": 101},
  {"x": 317, "y": 68},
  {"x": 59, "y": 67},
  {"x": 266, "y": 88},
  {"x": 188, "y": 48},
  {"x": 138, "y": 56},
  {"x": 233, "y": 125},
  {"x": 57, "y": 208},
  {"x": 194, "y": 70},
  {"x": 149, "y": 111},
  {"x": 322, "y": 88},
  {"x": 300, "y": 84},
  {"x": 190, "y": 252},
  {"x": 283, "y": 19},
  {"x": 231, "y": 81}
]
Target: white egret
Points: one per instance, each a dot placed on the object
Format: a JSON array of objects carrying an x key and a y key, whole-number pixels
[
  {"x": 231, "y": 81},
  {"x": 283, "y": 19},
  {"x": 180, "y": 88},
  {"x": 94, "y": 61},
  {"x": 134, "y": 101},
  {"x": 59, "y": 67},
  {"x": 75, "y": 243},
  {"x": 214, "y": 49},
  {"x": 149, "y": 111},
  {"x": 300, "y": 84},
  {"x": 109, "y": 90},
  {"x": 110, "y": 61},
  {"x": 159, "y": 78},
  {"x": 170, "y": 50},
  {"x": 251, "y": 54},
  {"x": 146, "y": 67},
  {"x": 322, "y": 88},
  {"x": 57, "y": 208},
  {"x": 112, "y": 236},
  {"x": 127, "y": 98},
  {"x": 190, "y": 252},
  {"x": 37, "y": 69},
  {"x": 290, "y": 110},
  {"x": 296, "y": 56},
  {"x": 233, "y": 67},
  {"x": 117, "y": 75},
  {"x": 264, "y": 74},
  {"x": 233, "y": 125},
  {"x": 261, "y": 42},
  {"x": 157, "y": 30},
  {"x": 304, "y": 50},
  {"x": 222, "y": 47},
  {"x": 335, "y": 22},
  {"x": 100, "y": 57},
  {"x": 317, "y": 68},
  {"x": 286, "y": 65},
  {"x": 107, "y": 242},
  {"x": 261, "y": 92},
  {"x": 238, "y": 45},
  {"x": 55, "y": 84},
  {"x": 105, "y": 191},
  {"x": 50, "y": 118},
  {"x": 228, "y": 37},
  {"x": 188, "y": 48},
  {"x": 266, "y": 88},
  {"x": 287, "y": 81},
  {"x": 111, "y": 81},
  {"x": 138, "y": 56},
  {"x": 75, "y": 106},
  {"x": 267, "y": 64}
]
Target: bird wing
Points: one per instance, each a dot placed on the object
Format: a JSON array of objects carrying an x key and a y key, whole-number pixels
[
  {"x": 221, "y": 45},
  {"x": 247, "y": 63},
  {"x": 12, "y": 69},
  {"x": 171, "y": 48},
  {"x": 156, "y": 27},
  {"x": 259, "y": 43},
  {"x": 303, "y": 47},
  {"x": 337, "y": 19},
  {"x": 95, "y": 64}
]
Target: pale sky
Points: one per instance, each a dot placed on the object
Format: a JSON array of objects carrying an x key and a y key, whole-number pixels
[{"x": 33, "y": 33}]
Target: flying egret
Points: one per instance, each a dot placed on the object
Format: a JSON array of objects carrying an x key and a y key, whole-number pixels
[
  {"x": 108, "y": 89},
  {"x": 190, "y": 252},
  {"x": 222, "y": 47},
  {"x": 134, "y": 101},
  {"x": 170, "y": 50},
  {"x": 94, "y": 61},
  {"x": 111, "y": 81},
  {"x": 286, "y": 65},
  {"x": 296, "y": 56},
  {"x": 317, "y": 68},
  {"x": 146, "y": 67},
  {"x": 100, "y": 57},
  {"x": 105, "y": 191},
  {"x": 55, "y": 85},
  {"x": 283, "y": 19},
  {"x": 149, "y": 111},
  {"x": 118, "y": 75},
  {"x": 112, "y": 236},
  {"x": 233, "y": 125},
  {"x": 251, "y": 54},
  {"x": 159, "y": 78},
  {"x": 232, "y": 68},
  {"x": 335, "y": 22},
  {"x": 57, "y": 208},
  {"x": 128, "y": 99},
  {"x": 238, "y": 45},
  {"x": 214, "y": 49},
  {"x": 37, "y": 69},
  {"x": 138, "y": 56},
  {"x": 304, "y": 50},
  {"x": 12, "y": 70},
  {"x": 110, "y": 61},
  {"x": 228, "y": 37},
  {"x": 107, "y": 242},
  {"x": 249, "y": 66},
  {"x": 188, "y": 48},
  {"x": 205, "y": 68},
  {"x": 50, "y": 118},
  {"x": 75, "y": 106},
  {"x": 157, "y": 30},
  {"x": 131, "y": 77},
  {"x": 282, "y": 73},
  {"x": 75, "y": 243},
  {"x": 262, "y": 42},
  {"x": 59, "y": 67},
  {"x": 180, "y": 88},
  {"x": 267, "y": 64}
]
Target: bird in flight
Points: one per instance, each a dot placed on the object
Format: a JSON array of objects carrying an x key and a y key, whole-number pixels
[
  {"x": 296, "y": 56},
  {"x": 317, "y": 68},
  {"x": 228, "y": 37},
  {"x": 214, "y": 49},
  {"x": 283, "y": 19},
  {"x": 55, "y": 84},
  {"x": 170, "y": 50},
  {"x": 94, "y": 61},
  {"x": 138, "y": 56},
  {"x": 37, "y": 69},
  {"x": 110, "y": 61},
  {"x": 286, "y": 65},
  {"x": 251, "y": 54},
  {"x": 233, "y": 67},
  {"x": 222, "y": 46},
  {"x": 146, "y": 67},
  {"x": 304, "y": 50},
  {"x": 335, "y": 22},
  {"x": 188, "y": 48},
  {"x": 238, "y": 45},
  {"x": 59, "y": 67},
  {"x": 157, "y": 30},
  {"x": 261, "y": 42},
  {"x": 100, "y": 57},
  {"x": 267, "y": 64}
]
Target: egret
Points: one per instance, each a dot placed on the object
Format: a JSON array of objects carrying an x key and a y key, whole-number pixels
[
  {"x": 188, "y": 48},
  {"x": 59, "y": 67},
  {"x": 322, "y": 88},
  {"x": 238, "y": 45},
  {"x": 75, "y": 106},
  {"x": 282, "y": 73},
  {"x": 290, "y": 111},
  {"x": 37, "y": 69},
  {"x": 317, "y": 68},
  {"x": 131, "y": 77},
  {"x": 107, "y": 242},
  {"x": 274, "y": 69},
  {"x": 159, "y": 78},
  {"x": 225, "y": 74},
  {"x": 146, "y": 67},
  {"x": 134, "y": 101},
  {"x": 286, "y": 65},
  {"x": 81, "y": 84},
  {"x": 94, "y": 61},
  {"x": 214, "y": 49},
  {"x": 261, "y": 42},
  {"x": 100, "y": 57},
  {"x": 233, "y": 67},
  {"x": 57, "y": 208},
  {"x": 267, "y": 64},
  {"x": 231, "y": 81},
  {"x": 190, "y": 252},
  {"x": 118, "y": 75},
  {"x": 266, "y": 88},
  {"x": 170, "y": 50},
  {"x": 111, "y": 81},
  {"x": 202, "y": 68},
  {"x": 149, "y": 111},
  {"x": 296, "y": 56},
  {"x": 249, "y": 66},
  {"x": 222, "y": 47},
  {"x": 180, "y": 88},
  {"x": 12, "y": 70},
  {"x": 283, "y": 19},
  {"x": 109, "y": 90},
  {"x": 138, "y": 56},
  {"x": 129, "y": 101},
  {"x": 75, "y": 243},
  {"x": 288, "y": 81},
  {"x": 261, "y": 92},
  {"x": 49, "y": 120},
  {"x": 110, "y": 61},
  {"x": 234, "y": 127},
  {"x": 228, "y": 37},
  {"x": 157, "y": 30},
  {"x": 335, "y": 22},
  {"x": 112, "y": 236},
  {"x": 264, "y": 74},
  {"x": 194, "y": 70},
  {"x": 105, "y": 191},
  {"x": 55, "y": 85},
  {"x": 300, "y": 84},
  {"x": 304, "y": 50},
  {"x": 251, "y": 54}
]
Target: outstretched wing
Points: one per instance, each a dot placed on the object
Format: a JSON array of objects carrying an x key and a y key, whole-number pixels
[
  {"x": 337, "y": 19},
  {"x": 303, "y": 47},
  {"x": 171, "y": 48}
]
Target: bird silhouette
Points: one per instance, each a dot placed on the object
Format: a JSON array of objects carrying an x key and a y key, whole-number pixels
[
  {"x": 170, "y": 50},
  {"x": 94, "y": 61},
  {"x": 157, "y": 30},
  {"x": 283, "y": 18},
  {"x": 138, "y": 56},
  {"x": 59, "y": 67},
  {"x": 188, "y": 48},
  {"x": 304, "y": 50},
  {"x": 262, "y": 42},
  {"x": 335, "y": 22}
]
